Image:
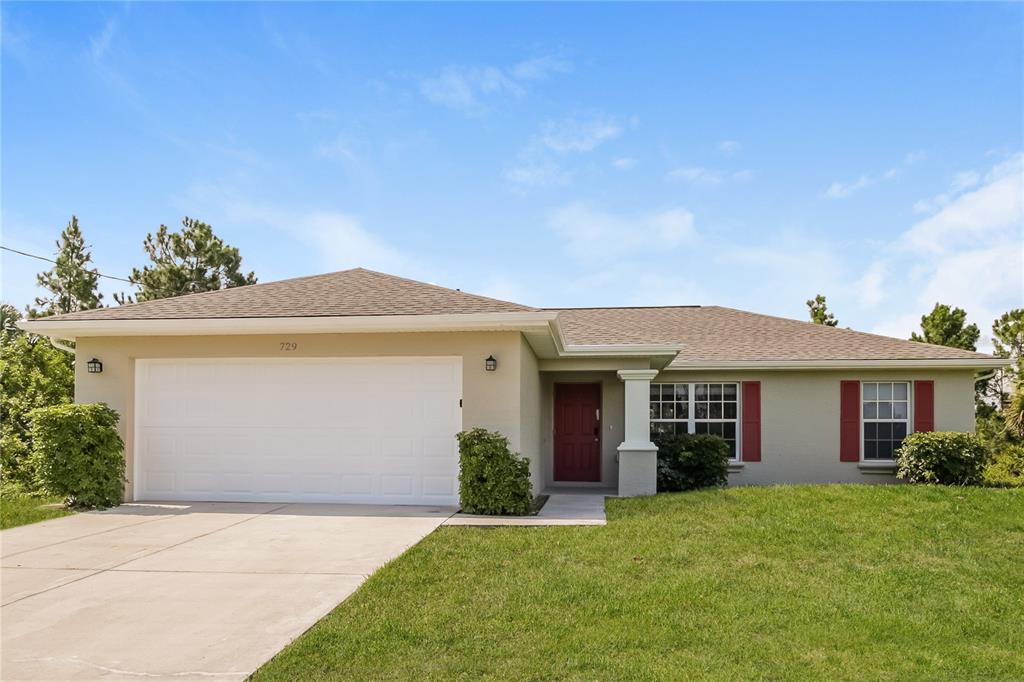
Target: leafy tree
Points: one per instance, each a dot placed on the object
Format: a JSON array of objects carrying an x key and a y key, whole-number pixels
[
  {"x": 186, "y": 262},
  {"x": 32, "y": 374},
  {"x": 1008, "y": 342},
  {"x": 72, "y": 284},
  {"x": 819, "y": 312},
  {"x": 945, "y": 326}
]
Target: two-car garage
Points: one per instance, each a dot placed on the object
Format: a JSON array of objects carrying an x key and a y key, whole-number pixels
[{"x": 359, "y": 430}]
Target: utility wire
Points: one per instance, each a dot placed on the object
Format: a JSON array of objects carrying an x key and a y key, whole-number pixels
[{"x": 50, "y": 260}]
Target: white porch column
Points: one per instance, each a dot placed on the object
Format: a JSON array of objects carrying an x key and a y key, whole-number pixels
[{"x": 638, "y": 456}]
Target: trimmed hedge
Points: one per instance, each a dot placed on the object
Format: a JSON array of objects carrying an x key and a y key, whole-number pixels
[
  {"x": 944, "y": 457},
  {"x": 690, "y": 462},
  {"x": 492, "y": 479},
  {"x": 78, "y": 453}
]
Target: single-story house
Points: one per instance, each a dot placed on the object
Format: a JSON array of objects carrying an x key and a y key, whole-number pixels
[{"x": 351, "y": 386}]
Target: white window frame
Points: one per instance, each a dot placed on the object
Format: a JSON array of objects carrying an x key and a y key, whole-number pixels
[
  {"x": 909, "y": 421},
  {"x": 691, "y": 418}
]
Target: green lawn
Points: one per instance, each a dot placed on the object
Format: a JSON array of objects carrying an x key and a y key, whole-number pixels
[
  {"x": 18, "y": 509},
  {"x": 805, "y": 582}
]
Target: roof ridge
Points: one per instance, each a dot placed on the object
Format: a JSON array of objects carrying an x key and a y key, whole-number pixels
[
  {"x": 443, "y": 288},
  {"x": 627, "y": 307}
]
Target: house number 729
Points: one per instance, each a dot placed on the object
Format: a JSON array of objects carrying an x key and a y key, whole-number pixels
[{"x": 289, "y": 345}]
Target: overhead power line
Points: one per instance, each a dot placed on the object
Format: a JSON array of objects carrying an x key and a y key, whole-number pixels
[{"x": 50, "y": 260}]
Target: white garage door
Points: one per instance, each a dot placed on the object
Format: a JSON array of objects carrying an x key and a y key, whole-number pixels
[{"x": 364, "y": 430}]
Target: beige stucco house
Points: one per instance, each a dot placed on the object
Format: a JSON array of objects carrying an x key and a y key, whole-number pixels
[{"x": 350, "y": 387}]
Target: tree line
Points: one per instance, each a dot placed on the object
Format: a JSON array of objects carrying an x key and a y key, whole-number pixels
[{"x": 34, "y": 373}]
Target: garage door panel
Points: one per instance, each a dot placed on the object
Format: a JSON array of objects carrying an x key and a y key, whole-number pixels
[{"x": 327, "y": 430}]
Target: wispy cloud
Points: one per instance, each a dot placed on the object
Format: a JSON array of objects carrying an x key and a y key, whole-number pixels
[
  {"x": 340, "y": 240},
  {"x": 970, "y": 253},
  {"x": 843, "y": 190},
  {"x": 467, "y": 88},
  {"x": 578, "y": 134},
  {"x": 339, "y": 148},
  {"x": 588, "y": 232},
  {"x": 540, "y": 162},
  {"x": 706, "y": 177},
  {"x": 539, "y": 174},
  {"x": 729, "y": 147},
  {"x": 99, "y": 44},
  {"x": 624, "y": 163}
]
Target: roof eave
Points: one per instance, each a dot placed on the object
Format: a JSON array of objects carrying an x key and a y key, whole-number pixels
[
  {"x": 934, "y": 363},
  {"x": 73, "y": 329}
]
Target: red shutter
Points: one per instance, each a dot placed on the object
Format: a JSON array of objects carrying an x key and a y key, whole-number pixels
[
  {"x": 849, "y": 421},
  {"x": 751, "y": 434},
  {"x": 924, "y": 405}
]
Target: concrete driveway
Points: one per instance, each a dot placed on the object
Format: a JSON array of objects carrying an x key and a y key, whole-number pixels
[{"x": 185, "y": 590}]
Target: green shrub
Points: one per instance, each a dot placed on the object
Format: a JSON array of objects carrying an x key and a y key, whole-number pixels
[
  {"x": 78, "y": 453},
  {"x": 689, "y": 462},
  {"x": 1006, "y": 467},
  {"x": 945, "y": 457},
  {"x": 32, "y": 374},
  {"x": 492, "y": 479}
]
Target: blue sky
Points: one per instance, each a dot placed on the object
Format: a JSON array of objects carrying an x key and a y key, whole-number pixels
[{"x": 557, "y": 155}]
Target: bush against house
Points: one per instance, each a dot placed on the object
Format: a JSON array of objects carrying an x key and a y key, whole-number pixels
[
  {"x": 33, "y": 374},
  {"x": 492, "y": 479},
  {"x": 690, "y": 462},
  {"x": 945, "y": 457},
  {"x": 1006, "y": 467},
  {"x": 78, "y": 453}
]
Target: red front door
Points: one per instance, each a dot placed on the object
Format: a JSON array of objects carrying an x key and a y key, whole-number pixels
[{"x": 578, "y": 432}]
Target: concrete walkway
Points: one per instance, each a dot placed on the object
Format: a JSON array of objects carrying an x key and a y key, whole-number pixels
[
  {"x": 185, "y": 591},
  {"x": 565, "y": 507}
]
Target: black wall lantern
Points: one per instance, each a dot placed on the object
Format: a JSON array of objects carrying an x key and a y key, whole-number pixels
[
  {"x": 95, "y": 366},
  {"x": 490, "y": 364}
]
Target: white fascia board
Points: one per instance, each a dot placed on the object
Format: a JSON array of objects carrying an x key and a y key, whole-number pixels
[
  {"x": 71, "y": 329},
  {"x": 617, "y": 350},
  {"x": 958, "y": 363}
]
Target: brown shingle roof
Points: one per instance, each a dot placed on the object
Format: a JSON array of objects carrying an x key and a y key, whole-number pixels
[
  {"x": 712, "y": 333},
  {"x": 706, "y": 334},
  {"x": 345, "y": 293}
]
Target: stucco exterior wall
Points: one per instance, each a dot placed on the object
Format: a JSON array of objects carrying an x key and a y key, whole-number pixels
[
  {"x": 530, "y": 400},
  {"x": 612, "y": 423},
  {"x": 491, "y": 400},
  {"x": 800, "y": 420}
]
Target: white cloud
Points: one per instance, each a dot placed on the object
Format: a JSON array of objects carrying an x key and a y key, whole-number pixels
[
  {"x": 730, "y": 147},
  {"x": 870, "y": 285},
  {"x": 543, "y": 174},
  {"x": 969, "y": 254},
  {"x": 624, "y": 163},
  {"x": 540, "y": 162},
  {"x": 597, "y": 236},
  {"x": 339, "y": 240},
  {"x": 466, "y": 88},
  {"x": 696, "y": 176},
  {"x": 540, "y": 68},
  {"x": 843, "y": 190},
  {"x": 578, "y": 135},
  {"x": 992, "y": 210}
]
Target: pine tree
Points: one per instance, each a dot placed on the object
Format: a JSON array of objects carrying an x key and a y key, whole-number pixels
[
  {"x": 946, "y": 326},
  {"x": 819, "y": 312},
  {"x": 186, "y": 262},
  {"x": 72, "y": 284}
]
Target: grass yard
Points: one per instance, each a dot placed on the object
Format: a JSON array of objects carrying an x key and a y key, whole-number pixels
[
  {"x": 803, "y": 582},
  {"x": 18, "y": 509}
]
